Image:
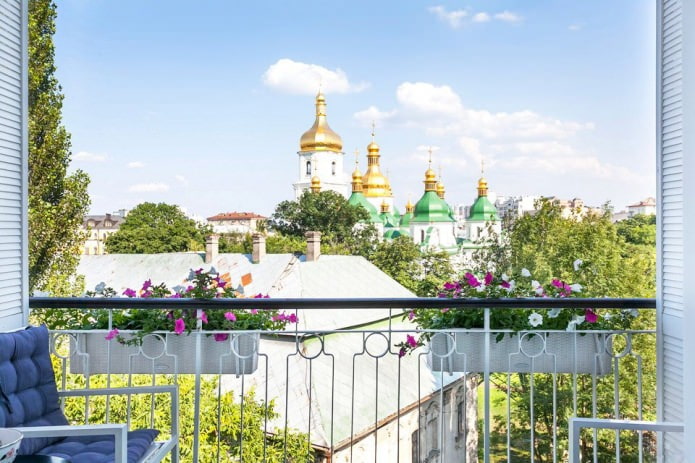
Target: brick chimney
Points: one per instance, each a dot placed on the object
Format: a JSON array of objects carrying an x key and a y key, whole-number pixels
[
  {"x": 258, "y": 248},
  {"x": 212, "y": 248},
  {"x": 313, "y": 246}
]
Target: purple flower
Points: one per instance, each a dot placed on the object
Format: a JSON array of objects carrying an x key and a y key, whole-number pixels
[
  {"x": 203, "y": 316},
  {"x": 254, "y": 311},
  {"x": 230, "y": 316},
  {"x": 488, "y": 278},
  {"x": 179, "y": 326},
  {"x": 219, "y": 337},
  {"x": 189, "y": 289},
  {"x": 401, "y": 352},
  {"x": 472, "y": 280},
  {"x": 112, "y": 334},
  {"x": 199, "y": 271},
  {"x": 175, "y": 296},
  {"x": 221, "y": 283},
  {"x": 147, "y": 284},
  {"x": 170, "y": 315},
  {"x": 505, "y": 285},
  {"x": 557, "y": 283},
  {"x": 412, "y": 342},
  {"x": 449, "y": 286},
  {"x": 292, "y": 318},
  {"x": 411, "y": 315},
  {"x": 590, "y": 316},
  {"x": 129, "y": 293},
  {"x": 261, "y": 296}
]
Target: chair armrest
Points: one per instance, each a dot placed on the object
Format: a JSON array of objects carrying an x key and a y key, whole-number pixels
[
  {"x": 170, "y": 389},
  {"x": 119, "y": 431}
]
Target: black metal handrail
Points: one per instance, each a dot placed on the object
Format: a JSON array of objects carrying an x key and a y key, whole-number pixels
[{"x": 86, "y": 303}]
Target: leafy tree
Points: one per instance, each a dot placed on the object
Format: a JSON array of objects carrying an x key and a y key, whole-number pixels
[
  {"x": 329, "y": 213},
  {"x": 422, "y": 273},
  {"x": 640, "y": 229},
  {"x": 156, "y": 228},
  {"x": 57, "y": 201}
]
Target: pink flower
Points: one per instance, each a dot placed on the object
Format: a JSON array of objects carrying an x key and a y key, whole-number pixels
[
  {"x": 412, "y": 342},
  {"x": 230, "y": 316},
  {"x": 147, "y": 284},
  {"x": 261, "y": 296},
  {"x": 445, "y": 309},
  {"x": 175, "y": 296},
  {"x": 488, "y": 278},
  {"x": 179, "y": 326},
  {"x": 292, "y": 318},
  {"x": 203, "y": 316},
  {"x": 505, "y": 285},
  {"x": 557, "y": 283},
  {"x": 401, "y": 352},
  {"x": 449, "y": 286},
  {"x": 189, "y": 289},
  {"x": 472, "y": 280},
  {"x": 590, "y": 316},
  {"x": 411, "y": 315},
  {"x": 129, "y": 293},
  {"x": 112, "y": 334},
  {"x": 254, "y": 311},
  {"x": 219, "y": 337}
]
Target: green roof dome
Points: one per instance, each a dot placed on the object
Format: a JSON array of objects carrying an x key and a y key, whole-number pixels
[
  {"x": 483, "y": 210},
  {"x": 391, "y": 234},
  {"x": 358, "y": 199},
  {"x": 405, "y": 219},
  {"x": 431, "y": 208}
]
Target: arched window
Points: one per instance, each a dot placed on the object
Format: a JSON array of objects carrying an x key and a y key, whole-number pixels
[
  {"x": 422, "y": 235},
  {"x": 308, "y": 167},
  {"x": 333, "y": 168}
]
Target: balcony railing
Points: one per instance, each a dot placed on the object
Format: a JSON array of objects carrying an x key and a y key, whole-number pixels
[{"x": 334, "y": 388}]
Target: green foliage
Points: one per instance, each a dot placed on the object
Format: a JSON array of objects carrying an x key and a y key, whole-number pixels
[
  {"x": 256, "y": 413},
  {"x": 156, "y": 228},
  {"x": 329, "y": 213},
  {"x": 422, "y": 273},
  {"x": 57, "y": 201},
  {"x": 236, "y": 243},
  {"x": 640, "y": 230}
]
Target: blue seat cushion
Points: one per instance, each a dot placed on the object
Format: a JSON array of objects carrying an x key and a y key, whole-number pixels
[
  {"x": 28, "y": 393},
  {"x": 100, "y": 449}
]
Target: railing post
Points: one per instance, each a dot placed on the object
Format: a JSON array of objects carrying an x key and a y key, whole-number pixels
[{"x": 486, "y": 388}]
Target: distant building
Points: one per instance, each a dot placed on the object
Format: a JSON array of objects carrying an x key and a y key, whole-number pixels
[
  {"x": 573, "y": 207},
  {"x": 236, "y": 222},
  {"x": 645, "y": 207},
  {"x": 512, "y": 207},
  {"x": 98, "y": 228}
]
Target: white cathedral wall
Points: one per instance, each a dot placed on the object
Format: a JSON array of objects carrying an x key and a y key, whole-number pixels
[{"x": 328, "y": 165}]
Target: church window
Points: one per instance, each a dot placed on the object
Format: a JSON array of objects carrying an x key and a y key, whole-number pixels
[
  {"x": 308, "y": 167},
  {"x": 460, "y": 418},
  {"x": 422, "y": 235},
  {"x": 333, "y": 168}
]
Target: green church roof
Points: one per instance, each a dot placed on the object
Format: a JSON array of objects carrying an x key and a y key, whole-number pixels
[
  {"x": 431, "y": 208},
  {"x": 358, "y": 199},
  {"x": 483, "y": 210},
  {"x": 405, "y": 219}
]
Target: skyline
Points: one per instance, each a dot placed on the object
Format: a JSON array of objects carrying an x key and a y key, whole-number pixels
[{"x": 197, "y": 106}]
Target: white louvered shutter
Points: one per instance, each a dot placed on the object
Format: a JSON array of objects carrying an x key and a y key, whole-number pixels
[{"x": 13, "y": 164}]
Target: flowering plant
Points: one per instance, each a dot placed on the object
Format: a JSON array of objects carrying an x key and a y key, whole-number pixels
[
  {"x": 523, "y": 285},
  {"x": 201, "y": 285}
]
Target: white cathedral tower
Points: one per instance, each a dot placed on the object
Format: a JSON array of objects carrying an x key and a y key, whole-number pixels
[{"x": 320, "y": 156}]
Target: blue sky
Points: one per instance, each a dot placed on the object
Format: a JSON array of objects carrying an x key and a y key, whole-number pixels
[{"x": 202, "y": 104}]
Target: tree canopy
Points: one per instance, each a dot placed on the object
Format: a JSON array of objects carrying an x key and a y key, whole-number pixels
[
  {"x": 329, "y": 213},
  {"x": 156, "y": 228},
  {"x": 57, "y": 201}
]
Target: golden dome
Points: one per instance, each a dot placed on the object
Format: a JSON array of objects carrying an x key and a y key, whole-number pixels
[
  {"x": 384, "y": 207},
  {"x": 482, "y": 187},
  {"x": 409, "y": 207},
  {"x": 440, "y": 189},
  {"x": 320, "y": 137},
  {"x": 375, "y": 183},
  {"x": 430, "y": 180},
  {"x": 357, "y": 176},
  {"x": 315, "y": 184}
]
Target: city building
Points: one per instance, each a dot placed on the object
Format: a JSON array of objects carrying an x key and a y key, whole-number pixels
[
  {"x": 512, "y": 207},
  {"x": 237, "y": 222},
  {"x": 644, "y": 207},
  {"x": 99, "y": 227}
]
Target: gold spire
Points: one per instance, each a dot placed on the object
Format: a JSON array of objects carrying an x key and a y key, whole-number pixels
[
  {"x": 315, "y": 184},
  {"x": 384, "y": 207},
  {"x": 430, "y": 176},
  {"x": 440, "y": 184},
  {"x": 357, "y": 175},
  {"x": 409, "y": 207},
  {"x": 320, "y": 137},
  {"x": 482, "y": 182},
  {"x": 375, "y": 184}
]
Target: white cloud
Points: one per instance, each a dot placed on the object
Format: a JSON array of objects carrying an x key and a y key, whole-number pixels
[
  {"x": 291, "y": 76},
  {"x": 508, "y": 16},
  {"x": 85, "y": 156},
  {"x": 135, "y": 165},
  {"x": 452, "y": 18},
  {"x": 481, "y": 17},
  {"x": 148, "y": 187},
  {"x": 373, "y": 114},
  {"x": 182, "y": 180},
  {"x": 428, "y": 99},
  {"x": 575, "y": 27}
]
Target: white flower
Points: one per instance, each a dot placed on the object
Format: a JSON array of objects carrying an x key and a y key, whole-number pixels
[
  {"x": 576, "y": 288},
  {"x": 535, "y": 319},
  {"x": 572, "y": 325},
  {"x": 553, "y": 313},
  {"x": 535, "y": 284},
  {"x": 607, "y": 316},
  {"x": 481, "y": 288},
  {"x": 505, "y": 277},
  {"x": 512, "y": 285},
  {"x": 525, "y": 272},
  {"x": 577, "y": 263},
  {"x": 220, "y": 290}
]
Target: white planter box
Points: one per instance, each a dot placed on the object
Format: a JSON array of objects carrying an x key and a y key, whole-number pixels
[
  {"x": 164, "y": 353},
  {"x": 525, "y": 352}
]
